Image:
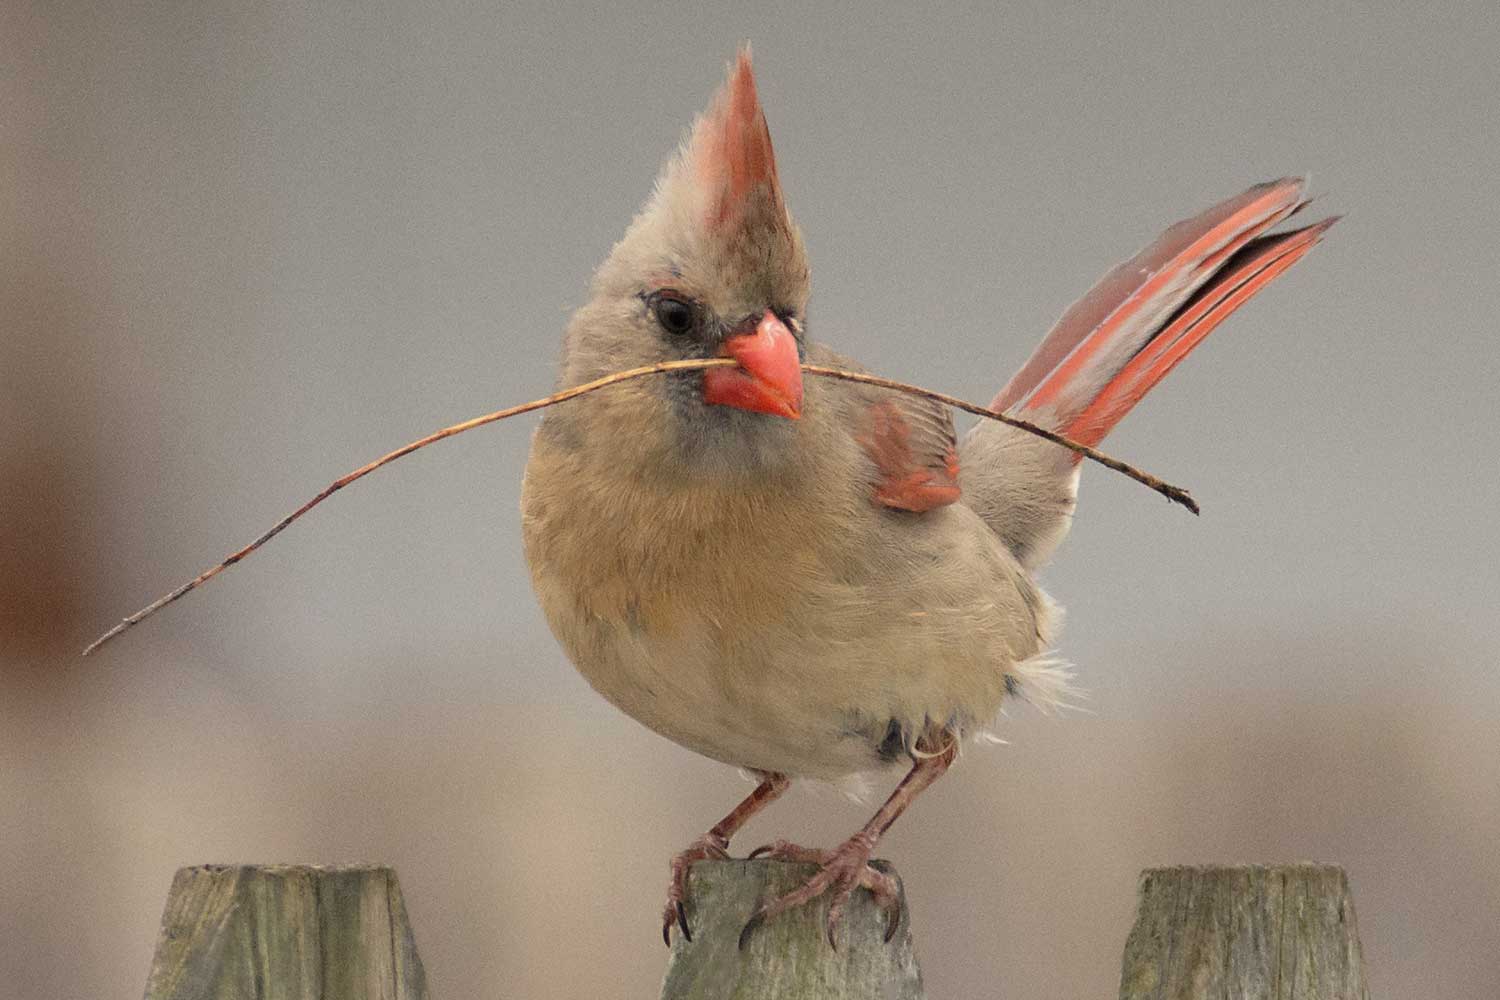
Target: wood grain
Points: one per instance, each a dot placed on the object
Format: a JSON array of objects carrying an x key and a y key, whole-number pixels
[
  {"x": 1286, "y": 932},
  {"x": 285, "y": 932}
]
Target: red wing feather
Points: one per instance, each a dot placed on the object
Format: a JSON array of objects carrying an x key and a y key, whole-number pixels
[{"x": 912, "y": 445}]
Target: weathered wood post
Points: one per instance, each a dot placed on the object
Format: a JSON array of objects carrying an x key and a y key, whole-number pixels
[
  {"x": 1252, "y": 931},
  {"x": 285, "y": 932},
  {"x": 787, "y": 958}
]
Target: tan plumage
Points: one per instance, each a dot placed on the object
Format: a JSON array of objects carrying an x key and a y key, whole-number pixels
[
  {"x": 817, "y": 596},
  {"x": 774, "y": 617}
]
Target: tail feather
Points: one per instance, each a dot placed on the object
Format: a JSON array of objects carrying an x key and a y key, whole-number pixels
[
  {"x": 1100, "y": 333},
  {"x": 1112, "y": 346},
  {"x": 1249, "y": 270}
]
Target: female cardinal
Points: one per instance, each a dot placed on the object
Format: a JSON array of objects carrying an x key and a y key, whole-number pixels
[{"x": 817, "y": 579}]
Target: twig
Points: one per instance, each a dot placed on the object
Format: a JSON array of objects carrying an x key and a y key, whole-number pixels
[
  {"x": 1172, "y": 493},
  {"x": 1176, "y": 494}
]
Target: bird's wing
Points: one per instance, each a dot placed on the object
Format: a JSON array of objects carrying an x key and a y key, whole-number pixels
[
  {"x": 914, "y": 448},
  {"x": 909, "y": 442}
]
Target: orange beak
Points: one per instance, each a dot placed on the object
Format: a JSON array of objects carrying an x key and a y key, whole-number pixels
[{"x": 769, "y": 376}]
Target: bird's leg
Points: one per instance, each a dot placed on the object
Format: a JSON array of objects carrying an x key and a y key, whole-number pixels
[
  {"x": 847, "y": 867},
  {"x": 715, "y": 845}
]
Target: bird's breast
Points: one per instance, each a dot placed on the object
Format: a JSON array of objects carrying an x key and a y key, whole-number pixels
[
  {"x": 763, "y": 629},
  {"x": 680, "y": 605}
]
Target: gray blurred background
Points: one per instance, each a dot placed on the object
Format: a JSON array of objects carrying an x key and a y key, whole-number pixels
[{"x": 244, "y": 248}]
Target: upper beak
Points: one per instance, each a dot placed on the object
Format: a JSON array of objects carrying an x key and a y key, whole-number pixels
[{"x": 769, "y": 376}]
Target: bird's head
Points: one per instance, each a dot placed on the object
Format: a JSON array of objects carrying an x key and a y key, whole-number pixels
[{"x": 712, "y": 266}]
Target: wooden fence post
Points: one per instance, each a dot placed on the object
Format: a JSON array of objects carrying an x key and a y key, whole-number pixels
[
  {"x": 787, "y": 957},
  {"x": 1252, "y": 931},
  {"x": 285, "y": 932}
]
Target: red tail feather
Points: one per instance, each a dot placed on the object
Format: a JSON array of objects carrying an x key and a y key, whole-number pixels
[
  {"x": 1120, "y": 339},
  {"x": 1247, "y": 272}
]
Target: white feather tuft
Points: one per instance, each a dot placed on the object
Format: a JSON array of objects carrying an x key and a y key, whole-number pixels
[
  {"x": 855, "y": 787},
  {"x": 1046, "y": 681}
]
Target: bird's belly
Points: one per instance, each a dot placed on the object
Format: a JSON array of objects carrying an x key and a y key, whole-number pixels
[
  {"x": 686, "y": 686},
  {"x": 790, "y": 697},
  {"x": 815, "y": 642},
  {"x": 677, "y": 692}
]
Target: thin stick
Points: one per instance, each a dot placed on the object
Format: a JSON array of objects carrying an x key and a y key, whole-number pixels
[
  {"x": 1176, "y": 494},
  {"x": 1173, "y": 493}
]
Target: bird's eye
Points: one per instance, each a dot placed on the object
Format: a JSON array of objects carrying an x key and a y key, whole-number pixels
[{"x": 674, "y": 315}]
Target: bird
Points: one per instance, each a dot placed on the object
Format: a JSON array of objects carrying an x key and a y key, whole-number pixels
[{"x": 813, "y": 579}]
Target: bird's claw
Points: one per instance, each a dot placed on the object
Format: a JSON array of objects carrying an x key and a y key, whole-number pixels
[
  {"x": 841, "y": 871},
  {"x": 709, "y": 847},
  {"x": 785, "y": 850}
]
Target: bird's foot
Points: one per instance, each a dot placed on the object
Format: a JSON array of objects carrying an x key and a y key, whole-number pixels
[
  {"x": 841, "y": 871},
  {"x": 785, "y": 850},
  {"x": 709, "y": 847}
]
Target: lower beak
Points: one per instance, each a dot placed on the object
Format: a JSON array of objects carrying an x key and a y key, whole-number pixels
[{"x": 769, "y": 376}]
